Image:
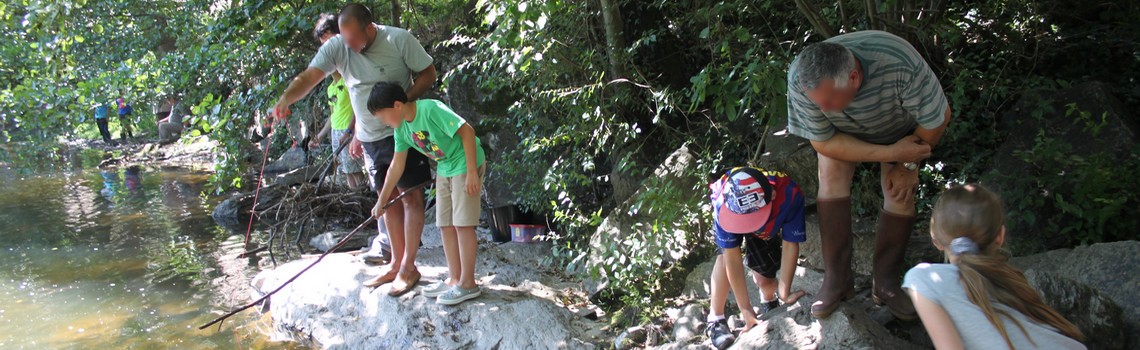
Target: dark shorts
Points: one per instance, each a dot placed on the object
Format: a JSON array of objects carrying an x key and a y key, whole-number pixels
[
  {"x": 377, "y": 157},
  {"x": 761, "y": 256},
  {"x": 161, "y": 115}
]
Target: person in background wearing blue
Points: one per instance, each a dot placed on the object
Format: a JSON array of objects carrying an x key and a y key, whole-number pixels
[
  {"x": 758, "y": 220},
  {"x": 124, "y": 118},
  {"x": 101, "y": 120}
]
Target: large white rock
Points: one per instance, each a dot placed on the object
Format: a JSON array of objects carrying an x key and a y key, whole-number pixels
[{"x": 522, "y": 307}]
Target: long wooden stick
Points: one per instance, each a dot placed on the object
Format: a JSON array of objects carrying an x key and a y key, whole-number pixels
[{"x": 326, "y": 253}]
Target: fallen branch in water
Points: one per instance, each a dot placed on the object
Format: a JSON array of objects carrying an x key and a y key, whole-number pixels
[{"x": 319, "y": 258}]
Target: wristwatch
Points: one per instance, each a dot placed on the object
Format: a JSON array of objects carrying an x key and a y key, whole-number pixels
[{"x": 912, "y": 166}]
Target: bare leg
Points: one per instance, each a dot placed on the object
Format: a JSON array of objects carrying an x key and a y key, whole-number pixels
[
  {"x": 413, "y": 229},
  {"x": 394, "y": 220},
  {"x": 718, "y": 287},
  {"x": 767, "y": 286},
  {"x": 451, "y": 252},
  {"x": 468, "y": 248}
]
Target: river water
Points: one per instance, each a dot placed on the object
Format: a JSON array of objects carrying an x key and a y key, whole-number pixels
[{"x": 112, "y": 259}]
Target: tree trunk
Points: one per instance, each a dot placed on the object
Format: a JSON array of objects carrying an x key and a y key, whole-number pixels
[
  {"x": 396, "y": 11},
  {"x": 871, "y": 10},
  {"x": 615, "y": 40},
  {"x": 817, "y": 21}
]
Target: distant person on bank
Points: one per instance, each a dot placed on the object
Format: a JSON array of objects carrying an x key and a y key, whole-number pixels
[
  {"x": 364, "y": 54},
  {"x": 125, "y": 111},
  {"x": 170, "y": 128},
  {"x": 866, "y": 97},
  {"x": 101, "y": 121}
]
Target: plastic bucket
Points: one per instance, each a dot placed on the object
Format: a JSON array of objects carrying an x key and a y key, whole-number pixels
[{"x": 525, "y": 233}]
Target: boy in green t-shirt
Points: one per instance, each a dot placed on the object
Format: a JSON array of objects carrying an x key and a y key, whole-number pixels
[{"x": 435, "y": 130}]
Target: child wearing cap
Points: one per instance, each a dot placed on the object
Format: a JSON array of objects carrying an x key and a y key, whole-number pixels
[{"x": 758, "y": 219}]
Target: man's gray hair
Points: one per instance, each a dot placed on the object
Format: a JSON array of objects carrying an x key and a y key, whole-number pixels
[{"x": 821, "y": 61}]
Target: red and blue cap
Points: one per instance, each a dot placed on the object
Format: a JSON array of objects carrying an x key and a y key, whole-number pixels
[{"x": 741, "y": 200}]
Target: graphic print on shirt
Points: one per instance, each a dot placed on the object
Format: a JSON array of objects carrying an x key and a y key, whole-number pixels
[{"x": 427, "y": 147}]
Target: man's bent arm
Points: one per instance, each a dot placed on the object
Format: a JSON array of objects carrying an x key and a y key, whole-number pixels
[{"x": 423, "y": 82}]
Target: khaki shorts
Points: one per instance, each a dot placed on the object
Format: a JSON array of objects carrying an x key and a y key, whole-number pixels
[{"x": 453, "y": 206}]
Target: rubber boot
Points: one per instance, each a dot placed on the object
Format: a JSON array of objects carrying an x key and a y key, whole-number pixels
[
  {"x": 835, "y": 239},
  {"x": 379, "y": 250},
  {"x": 891, "y": 239}
]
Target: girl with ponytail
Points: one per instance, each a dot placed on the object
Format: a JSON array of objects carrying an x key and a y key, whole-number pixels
[{"x": 979, "y": 301}]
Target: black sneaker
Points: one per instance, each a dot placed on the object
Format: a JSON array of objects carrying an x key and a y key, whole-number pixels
[
  {"x": 719, "y": 334},
  {"x": 769, "y": 306}
]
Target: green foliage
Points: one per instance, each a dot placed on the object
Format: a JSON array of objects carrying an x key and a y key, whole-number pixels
[
  {"x": 1073, "y": 199},
  {"x": 590, "y": 127}
]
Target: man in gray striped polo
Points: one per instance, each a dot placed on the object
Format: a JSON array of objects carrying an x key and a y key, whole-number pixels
[{"x": 866, "y": 97}]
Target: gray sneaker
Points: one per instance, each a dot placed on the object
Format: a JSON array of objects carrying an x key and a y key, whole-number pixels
[
  {"x": 436, "y": 289},
  {"x": 457, "y": 295}
]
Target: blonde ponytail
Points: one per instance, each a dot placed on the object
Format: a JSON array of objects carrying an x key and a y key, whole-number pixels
[{"x": 972, "y": 215}]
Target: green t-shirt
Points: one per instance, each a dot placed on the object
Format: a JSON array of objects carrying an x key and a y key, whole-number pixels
[
  {"x": 340, "y": 104},
  {"x": 433, "y": 133}
]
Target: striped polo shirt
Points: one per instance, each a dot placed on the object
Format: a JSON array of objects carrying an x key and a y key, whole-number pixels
[{"x": 899, "y": 92}]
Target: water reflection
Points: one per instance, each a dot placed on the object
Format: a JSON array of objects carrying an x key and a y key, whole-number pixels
[{"x": 107, "y": 258}]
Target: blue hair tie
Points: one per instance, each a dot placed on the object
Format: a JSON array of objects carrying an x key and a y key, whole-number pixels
[{"x": 963, "y": 245}]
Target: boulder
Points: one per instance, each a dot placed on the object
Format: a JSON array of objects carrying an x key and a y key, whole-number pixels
[
  {"x": 792, "y": 155},
  {"x": 521, "y": 306},
  {"x": 1097, "y": 316},
  {"x": 688, "y": 322},
  {"x": 296, "y": 176},
  {"x": 325, "y": 241},
  {"x": 627, "y": 227},
  {"x": 1087, "y": 118},
  {"x": 293, "y": 158},
  {"x": 1107, "y": 267},
  {"x": 233, "y": 212}
]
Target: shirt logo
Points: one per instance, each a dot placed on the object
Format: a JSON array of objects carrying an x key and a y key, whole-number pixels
[{"x": 425, "y": 146}]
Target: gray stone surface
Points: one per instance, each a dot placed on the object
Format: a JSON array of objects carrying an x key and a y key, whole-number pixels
[
  {"x": 325, "y": 241},
  {"x": 521, "y": 308},
  {"x": 794, "y": 156},
  {"x": 1097, "y": 316},
  {"x": 1110, "y": 268},
  {"x": 293, "y": 158}
]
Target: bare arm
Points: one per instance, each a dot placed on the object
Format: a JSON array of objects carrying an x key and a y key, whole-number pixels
[
  {"x": 845, "y": 147},
  {"x": 325, "y": 130},
  {"x": 790, "y": 256},
  {"x": 942, "y": 331},
  {"x": 298, "y": 88},
  {"x": 423, "y": 82},
  {"x": 467, "y": 135},
  {"x": 395, "y": 171},
  {"x": 931, "y": 137},
  {"x": 734, "y": 268}
]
